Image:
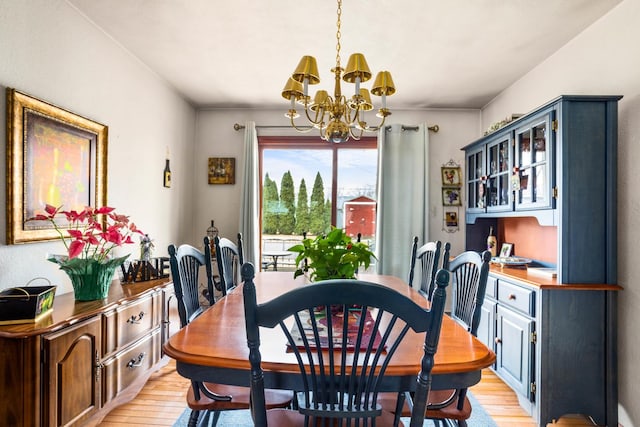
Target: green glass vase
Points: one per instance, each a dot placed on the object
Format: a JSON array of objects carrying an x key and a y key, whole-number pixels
[{"x": 90, "y": 278}]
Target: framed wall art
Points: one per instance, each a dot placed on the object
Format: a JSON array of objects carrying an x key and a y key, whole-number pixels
[
  {"x": 451, "y": 197},
  {"x": 451, "y": 176},
  {"x": 451, "y": 218},
  {"x": 222, "y": 170},
  {"x": 54, "y": 157}
]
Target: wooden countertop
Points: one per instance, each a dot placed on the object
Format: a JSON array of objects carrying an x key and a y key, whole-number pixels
[
  {"x": 67, "y": 311},
  {"x": 539, "y": 281}
]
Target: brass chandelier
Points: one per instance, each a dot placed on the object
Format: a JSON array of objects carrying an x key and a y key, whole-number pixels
[{"x": 337, "y": 117}]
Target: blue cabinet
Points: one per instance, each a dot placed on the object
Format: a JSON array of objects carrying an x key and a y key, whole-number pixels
[
  {"x": 555, "y": 339},
  {"x": 514, "y": 333}
]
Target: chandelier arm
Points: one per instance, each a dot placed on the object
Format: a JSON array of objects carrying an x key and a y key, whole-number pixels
[
  {"x": 301, "y": 130},
  {"x": 354, "y": 136},
  {"x": 352, "y": 115},
  {"x": 375, "y": 128},
  {"x": 319, "y": 116}
]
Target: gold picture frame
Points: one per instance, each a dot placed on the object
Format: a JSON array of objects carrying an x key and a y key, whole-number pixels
[
  {"x": 221, "y": 170},
  {"x": 451, "y": 176},
  {"x": 54, "y": 157},
  {"x": 451, "y": 218}
]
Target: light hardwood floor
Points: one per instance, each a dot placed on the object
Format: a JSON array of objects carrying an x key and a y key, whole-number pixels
[{"x": 162, "y": 400}]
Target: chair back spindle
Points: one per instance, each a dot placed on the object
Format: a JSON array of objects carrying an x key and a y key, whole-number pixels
[
  {"x": 426, "y": 257},
  {"x": 185, "y": 262},
  {"x": 470, "y": 272},
  {"x": 230, "y": 258}
]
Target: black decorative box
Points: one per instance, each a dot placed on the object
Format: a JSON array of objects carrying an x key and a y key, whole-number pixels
[{"x": 26, "y": 304}]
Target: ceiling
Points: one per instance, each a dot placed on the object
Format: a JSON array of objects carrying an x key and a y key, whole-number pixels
[{"x": 442, "y": 54}]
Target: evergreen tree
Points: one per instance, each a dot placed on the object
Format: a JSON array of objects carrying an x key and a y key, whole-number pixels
[
  {"x": 327, "y": 217},
  {"x": 316, "y": 208},
  {"x": 287, "y": 203},
  {"x": 270, "y": 206},
  {"x": 302, "y": 209}
]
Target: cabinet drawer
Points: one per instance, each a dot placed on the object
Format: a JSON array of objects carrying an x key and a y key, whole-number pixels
[
  {"x": 517, "y": 297},
  {"x": 492, "y": 287},
  {"x": 131, "y": 321},
  {"x": 121, "y": 370}
]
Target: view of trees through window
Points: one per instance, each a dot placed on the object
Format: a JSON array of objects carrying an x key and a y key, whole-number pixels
[{"x": 308, "y": 186}]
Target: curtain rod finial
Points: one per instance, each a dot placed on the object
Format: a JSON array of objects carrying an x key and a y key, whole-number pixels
[
  {"x": 237, "y": 126},
  {"x": 434, "y": 128}
]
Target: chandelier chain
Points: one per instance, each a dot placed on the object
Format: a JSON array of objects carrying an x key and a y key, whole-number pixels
[{"x": 338, "y": 33}]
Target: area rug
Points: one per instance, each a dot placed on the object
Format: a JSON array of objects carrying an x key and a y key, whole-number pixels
[{"x": 479, "y": 418}]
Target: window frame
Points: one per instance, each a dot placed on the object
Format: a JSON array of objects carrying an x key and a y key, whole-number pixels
[{"x": 315, "y": 143}]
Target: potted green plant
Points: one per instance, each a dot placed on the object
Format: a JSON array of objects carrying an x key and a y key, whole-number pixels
[
  {"x": 90, "y": 237},
  {"x": 331, "y": 256}
]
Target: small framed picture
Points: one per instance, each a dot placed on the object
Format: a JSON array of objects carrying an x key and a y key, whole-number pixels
[
  {"x": 451, "y": 219},
  {"x": 506, "y": 250},
  {"x": 222, "y": 170},
  {"x": 451, "y": 176},
  {"x": 451, "y": 197}
]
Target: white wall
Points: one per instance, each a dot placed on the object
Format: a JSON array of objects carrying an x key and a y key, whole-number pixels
[
  {"x": 49, "y": 51},
  {"x": 215, "y": 137},
  {"x": 602, "y": 60}
]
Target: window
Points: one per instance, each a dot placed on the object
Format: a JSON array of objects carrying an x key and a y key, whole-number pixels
[{"x": 309, "y": 185}]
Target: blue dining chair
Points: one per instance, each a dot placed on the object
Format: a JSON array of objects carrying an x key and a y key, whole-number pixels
[
  {"x": 342, "y": 358},
  {"x": 186, "y": 262}
]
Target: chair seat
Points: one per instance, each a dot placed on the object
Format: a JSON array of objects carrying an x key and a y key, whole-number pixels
[
  {"x": 240, "y": 398},
  {"x": 291, "y": 418},
  {"x": 388, "y": 403},
  {"x": 450, "y": 412}
]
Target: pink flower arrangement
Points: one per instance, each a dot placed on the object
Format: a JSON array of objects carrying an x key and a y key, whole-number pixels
[{"x": 94, "y": 232}]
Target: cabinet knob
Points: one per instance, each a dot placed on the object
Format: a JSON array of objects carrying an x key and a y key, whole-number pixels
[
  {"x": 134, "y": 320},
  {"x": 498, "y": 340},
  {"x": 136, "y": 362},
  {"x": 512, "y": 297}
]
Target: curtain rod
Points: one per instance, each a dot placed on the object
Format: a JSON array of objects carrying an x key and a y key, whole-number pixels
[
  {"x": 237, "y": 126},
  {"x": 434, "y": 128}
]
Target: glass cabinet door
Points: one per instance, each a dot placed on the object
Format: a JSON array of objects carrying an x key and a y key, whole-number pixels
[
  {"x": 476, "y": 201},
  {"x": 532, "y": 181},
  {"x": 499, "y": 174}
]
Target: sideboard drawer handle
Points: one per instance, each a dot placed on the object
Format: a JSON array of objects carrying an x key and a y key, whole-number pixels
[
  {"x": 136, "y": 362},
  {"x": 498, "y": 340},
  {"x": 512, "y": 297},
  {"x": 134, "y": 320}
]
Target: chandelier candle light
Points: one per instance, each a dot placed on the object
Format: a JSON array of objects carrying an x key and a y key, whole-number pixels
[{"x": 336, "y": 117}]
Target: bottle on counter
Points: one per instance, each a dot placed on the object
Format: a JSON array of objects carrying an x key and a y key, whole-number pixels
[{"x": 492, "y": 243}]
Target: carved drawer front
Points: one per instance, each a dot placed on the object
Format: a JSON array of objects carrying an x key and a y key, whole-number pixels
[
  {"x": 131, "y": 321},
  {"x": 127, "y": 366},
  {"x": 517, "y": 297}
]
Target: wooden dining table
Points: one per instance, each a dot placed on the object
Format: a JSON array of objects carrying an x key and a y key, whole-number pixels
[{"x": 213, "y": 347}]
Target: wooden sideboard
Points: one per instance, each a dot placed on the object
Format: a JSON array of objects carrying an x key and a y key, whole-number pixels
[{"x": 85, "y": 358}]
